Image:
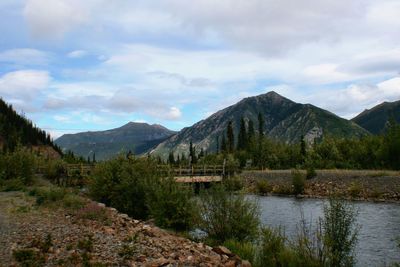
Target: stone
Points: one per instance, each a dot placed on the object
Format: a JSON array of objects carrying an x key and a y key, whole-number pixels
[
  {"x": 221, "y": 250},
  {"x": 245, "y": 263}
]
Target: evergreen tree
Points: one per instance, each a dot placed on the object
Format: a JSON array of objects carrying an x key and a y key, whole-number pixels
[
  {"x": 192, "y": 153},
  {"x": 251, "y": 132},
  {"x": 230, "y": 137},
  {"x": 171, "y": 158},
  {"x": 242, "y": 137},
  {"x": 260, "y": 125},
  {"x": 303, "y": 150},
  {"x": 224, "y": 147},
  {"x": 217, "y": 145},
  {"x": 201, "y": 154},
  {"x": 94, "y": 157}
]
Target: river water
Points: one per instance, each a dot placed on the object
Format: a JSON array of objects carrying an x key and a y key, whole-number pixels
[{"x": 380, "y": 224}]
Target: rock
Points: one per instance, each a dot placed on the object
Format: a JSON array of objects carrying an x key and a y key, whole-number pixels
[
  {"x": 221, "y": 250},
  {"x": 102, "y": 205},
  {"x": 230, "y": 264},
  {"x": 245, "y": 263}
]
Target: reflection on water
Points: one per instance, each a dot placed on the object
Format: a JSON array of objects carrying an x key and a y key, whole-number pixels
[{"x": 380, "y": 224}]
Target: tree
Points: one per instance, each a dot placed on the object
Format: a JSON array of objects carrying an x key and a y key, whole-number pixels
[
  {"x": 171, "y": 158},
  {"x": 251, "y": 132},
  {"x": 303, "y": 150},
  {"x": 192, "y": 153},
  {"x": 224, "y": 147},
  {"x": 242, "y": 137},
  {"x": 218, "y": 145},
  {"x": 94, "y": 157},
  {"x": 231, "y": 138},
  {"x": 260, "y": 125}
]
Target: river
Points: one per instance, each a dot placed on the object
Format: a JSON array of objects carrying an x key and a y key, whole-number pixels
[{"x": 380, "y": 224}]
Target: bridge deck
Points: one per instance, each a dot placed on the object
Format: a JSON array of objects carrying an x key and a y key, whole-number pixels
[{"x": 198, "y": 179}]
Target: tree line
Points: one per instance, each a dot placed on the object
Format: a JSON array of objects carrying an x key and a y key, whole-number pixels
[{"x": 253, "y": 148}]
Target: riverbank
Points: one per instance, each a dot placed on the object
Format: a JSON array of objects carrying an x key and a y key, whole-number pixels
[
  {"x": 365, "y": 185},
  {"x": 92, "y": 235}
]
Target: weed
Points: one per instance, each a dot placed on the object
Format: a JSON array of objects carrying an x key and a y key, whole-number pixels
[
  {"x": 28, "y": 257},
  {"x": 92, "y": 211},
  {"x": 263, "y": 187},
  {"x": 86, "y": 245}
]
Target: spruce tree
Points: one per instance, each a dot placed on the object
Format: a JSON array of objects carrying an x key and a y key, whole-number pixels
[
  {"x": 242, "y": 137},
  {"x": 303, "y": 150},
  {"x": 231, "y": 138},
  {"x": 223, "y": 144},
  {"x": 260, "y": 125}
]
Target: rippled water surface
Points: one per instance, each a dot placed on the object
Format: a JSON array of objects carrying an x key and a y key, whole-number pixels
[{"x": 380, "y": 224}]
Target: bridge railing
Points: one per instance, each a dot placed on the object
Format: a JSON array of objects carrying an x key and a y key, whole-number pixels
[{"x": 194, "y": 170}]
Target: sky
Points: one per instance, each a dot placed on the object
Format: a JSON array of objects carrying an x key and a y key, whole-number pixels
[{"x": 73, "y": 65}]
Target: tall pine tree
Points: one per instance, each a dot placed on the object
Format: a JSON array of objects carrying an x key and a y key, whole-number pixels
[
  {"x": 242, "y": 137},
  {"x": 231, "y": 138}
]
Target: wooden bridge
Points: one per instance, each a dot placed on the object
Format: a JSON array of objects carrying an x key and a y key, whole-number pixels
[
  {"x": 197, "y": 174},
  {"x": 202, "y": 174}
]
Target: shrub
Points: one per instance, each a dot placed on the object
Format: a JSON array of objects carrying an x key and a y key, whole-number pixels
[
  {"x": 355, "y": 189},
  {"x": 171, "y": 205},
  {"x": 92, "y": 211},
  {"x": 298, "y": 182},
  {"x": 46, "y": 195},
  {"x": 340, "y": 232},
  {"x": 86, "y": 244},
  {"x": 125, "y": 185},
  {"x": 19, "y": 165},
  {"x": 54, "y": 170},
  {"x": 28, "y": 257},
  {"x": 73, "y": 201},
  {"x": 12, "y": 185},
  {"x": 233, "y": 183},
  {"x": 224, "y": 215},
  {"x": 263, "y": 187},
  {"x": 311, "y": 173},
  {"x": 272, "y": 245}
]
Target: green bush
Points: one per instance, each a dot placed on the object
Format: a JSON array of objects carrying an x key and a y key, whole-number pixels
[
  {"x": 47, "y": 195},
  {"x": 125, "y": 185},
  {"x": 234, "y": 183},
  {"x": 272, "y": 245},
  {"x": 54, "y": 170},
  {"x": 28, "y": 257},
  {"x": 12, "y": 185},
  {"x": 171, "y": 205},
  {"x": 311, "y": 173},
  {"x": 18, "y": 165},
  {"x": 263, "y": 187},
  {"x": 298, "y": 182},
  {"x": 224, "y": 215},
  {"x": 340, "y": 232}
]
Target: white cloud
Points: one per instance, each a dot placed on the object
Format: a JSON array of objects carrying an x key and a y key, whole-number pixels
[
  {"x": 25, "y": 56},
  {"x": 24, "y": 83},
  {"x": 51, "y": 19},
  {"x": 77, "y": 54}
]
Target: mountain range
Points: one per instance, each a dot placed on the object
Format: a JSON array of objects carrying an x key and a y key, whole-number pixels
[
  {"x": 375, "y": 119},
  {"x": 284, "y": 120},
  {"x": 133, "y": 136}
]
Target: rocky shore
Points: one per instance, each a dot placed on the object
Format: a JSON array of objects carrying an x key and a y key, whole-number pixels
[
  {"x": 366, "y": 185},
  {"x": 56, "y": 237}
]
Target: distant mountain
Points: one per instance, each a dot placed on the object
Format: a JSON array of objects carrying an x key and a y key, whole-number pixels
[
  {"x": 15, "y": 130},
  {"x": 137, "y": 137},
  {"x": 285, "y": 120},
  {"x": 375, "y": 119}
]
